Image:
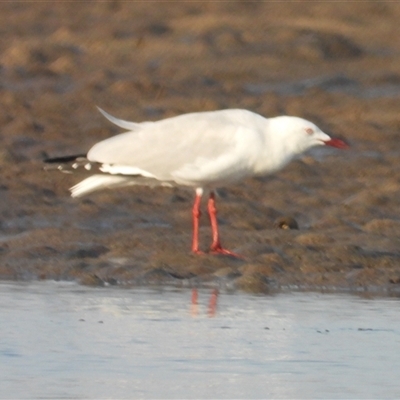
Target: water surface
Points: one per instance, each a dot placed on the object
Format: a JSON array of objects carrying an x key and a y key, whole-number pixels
[{"x": 61, "y": 340}]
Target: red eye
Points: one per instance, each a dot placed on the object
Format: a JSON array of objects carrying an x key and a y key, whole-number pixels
[{"x": 310, "y": 131}]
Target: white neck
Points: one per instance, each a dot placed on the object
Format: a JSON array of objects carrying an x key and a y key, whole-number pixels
[{"x": 276, "y": 153}]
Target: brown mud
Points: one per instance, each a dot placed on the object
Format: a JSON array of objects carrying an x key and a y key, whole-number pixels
[{"x": 335, "y": 64}]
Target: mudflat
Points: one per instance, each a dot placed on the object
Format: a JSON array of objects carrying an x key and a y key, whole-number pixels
[{"x": 336, "y": 65}]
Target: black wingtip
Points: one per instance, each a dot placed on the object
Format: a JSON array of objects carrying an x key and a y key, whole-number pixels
[{"x": 63, "y": 159}]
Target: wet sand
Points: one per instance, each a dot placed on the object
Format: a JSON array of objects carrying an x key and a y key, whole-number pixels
[{"x": 337, "y": 65}]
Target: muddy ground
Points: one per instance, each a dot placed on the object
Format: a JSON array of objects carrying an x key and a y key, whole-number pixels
[{"x": 335, "y": 64}]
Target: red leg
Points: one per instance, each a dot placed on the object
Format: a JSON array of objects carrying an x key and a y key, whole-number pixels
[
  {"x": 216, "y": 243},
  {"x": 196, "y": 213}
]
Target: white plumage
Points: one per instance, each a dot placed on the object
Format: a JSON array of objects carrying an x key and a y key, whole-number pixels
[
  {"x": 202, "y": 150},
  {"x": 207, "y": 149}
]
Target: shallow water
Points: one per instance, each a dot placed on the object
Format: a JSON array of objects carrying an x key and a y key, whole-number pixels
[{"x": 61, "y": 340}]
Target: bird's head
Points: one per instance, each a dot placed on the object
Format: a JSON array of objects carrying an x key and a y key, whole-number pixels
[{"x": 300, "y": 134}]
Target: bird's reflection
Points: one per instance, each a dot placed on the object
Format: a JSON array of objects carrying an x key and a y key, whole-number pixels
[{"x": 212, "y": 304}]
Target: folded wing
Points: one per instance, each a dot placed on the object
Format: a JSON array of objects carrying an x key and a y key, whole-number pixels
[{"x": 191, "y": 149}]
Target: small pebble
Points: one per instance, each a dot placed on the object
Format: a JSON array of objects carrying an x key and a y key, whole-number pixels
[{"x": 286, "y": 223}]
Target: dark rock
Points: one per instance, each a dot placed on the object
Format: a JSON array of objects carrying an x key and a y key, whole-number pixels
[{"x": 93, "y": 251}]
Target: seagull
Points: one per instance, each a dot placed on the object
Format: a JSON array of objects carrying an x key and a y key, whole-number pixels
[{"x": 200, "y": 150}]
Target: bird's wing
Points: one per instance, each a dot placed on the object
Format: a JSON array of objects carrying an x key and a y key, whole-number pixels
[{"x": 189, "y": 149}]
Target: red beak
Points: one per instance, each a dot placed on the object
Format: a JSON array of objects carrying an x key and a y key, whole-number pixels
[{"x": 340, "y": 144}]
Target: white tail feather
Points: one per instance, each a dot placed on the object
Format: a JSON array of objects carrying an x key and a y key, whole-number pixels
[
  {"x": 130, "y": 126},
  {"x": 97, "y": 182}
]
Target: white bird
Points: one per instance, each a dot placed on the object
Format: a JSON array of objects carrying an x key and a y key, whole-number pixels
[{"x": 202, "y": 150}]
